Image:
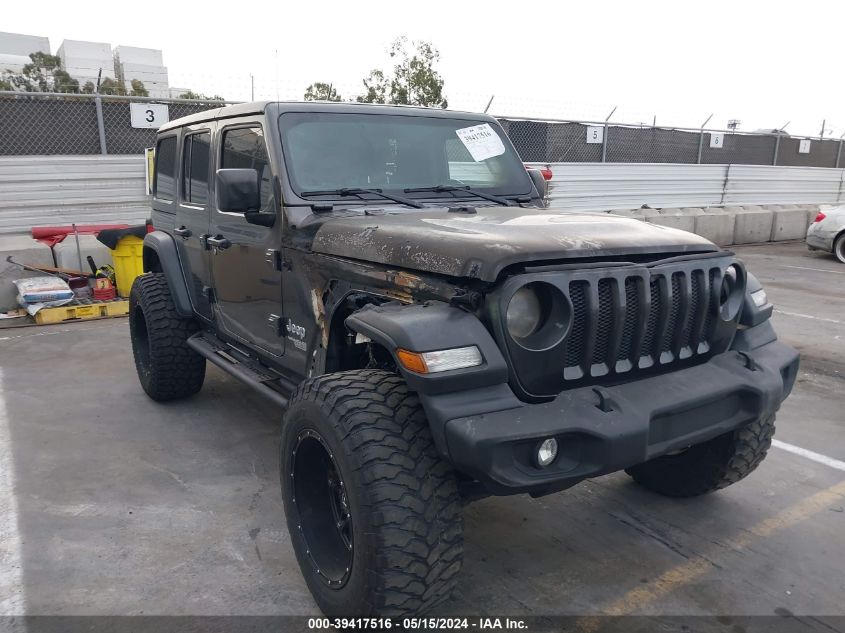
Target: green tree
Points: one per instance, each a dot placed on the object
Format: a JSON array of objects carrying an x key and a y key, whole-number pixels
[
  {"x": 63, "y": 82},
  {"x": 89, "y": 88},
  {"x": 319, "y": 91},
  {"x": 43, "y": 74},
  {"x": 198, "y": 96},
  {"x": 415, "y": 80},
  {"x": 109, "y": 86},
  {"x": 376, "y": 86},
  {"x": 138, "y": 89}
]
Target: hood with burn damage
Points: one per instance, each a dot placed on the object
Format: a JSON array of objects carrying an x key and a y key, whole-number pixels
[{"x": 481, "y": 245}]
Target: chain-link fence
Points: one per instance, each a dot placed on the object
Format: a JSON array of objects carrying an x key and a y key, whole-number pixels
[
  {"x": 48, "y": 123},
  {"x": 600, "y": 142}
]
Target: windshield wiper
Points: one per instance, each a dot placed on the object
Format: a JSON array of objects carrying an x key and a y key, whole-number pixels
[
  {"x": 354, "y": 191},
  {"x": 465, "y": 188}
]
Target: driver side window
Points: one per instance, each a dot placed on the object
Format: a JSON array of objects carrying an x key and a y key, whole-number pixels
[{"x": 244, "y": 148}]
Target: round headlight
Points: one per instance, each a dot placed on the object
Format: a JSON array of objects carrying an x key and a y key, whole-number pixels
[{"x": 524, "y": 313}]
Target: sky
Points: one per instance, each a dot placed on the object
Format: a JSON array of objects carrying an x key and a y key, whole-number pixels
[{"x": 764, "y": 63}]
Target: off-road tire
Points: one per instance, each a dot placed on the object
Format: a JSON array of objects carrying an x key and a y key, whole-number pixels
[
  {"x": 403, "y": 497},
  {"x": 839, "y": 248},
  {"x": 167, "y": 368},
  {"x": 709, "y": 466}
]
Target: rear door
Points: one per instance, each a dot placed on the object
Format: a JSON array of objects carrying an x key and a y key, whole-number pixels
[
  {"x": 247, "y": 283},
  {"x": 193, "y": 214}
]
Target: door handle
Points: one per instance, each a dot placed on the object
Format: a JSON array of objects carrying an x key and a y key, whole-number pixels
[
  {"x": 183, "y": 232},
  {"x": 218, "y": 242}
]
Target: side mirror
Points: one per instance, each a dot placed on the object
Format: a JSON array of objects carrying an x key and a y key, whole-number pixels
[
  {"x": 238, "y": 190},
  {"x": 539, "y": 182}
]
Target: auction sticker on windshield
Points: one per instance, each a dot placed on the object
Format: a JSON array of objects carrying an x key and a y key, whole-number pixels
[{"x": 481, "y": 141}]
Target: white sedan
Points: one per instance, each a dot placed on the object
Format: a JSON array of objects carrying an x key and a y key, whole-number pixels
[{"x": 827, "y": 232}]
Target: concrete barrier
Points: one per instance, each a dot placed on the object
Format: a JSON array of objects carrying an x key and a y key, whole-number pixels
[
  {"x": 753, "y": 224},
  {"x": 25, "y": 250},
  {"x": 637, "y": 214},
  {"x": 716, "y": 225},
  {"x": 789, "y": 222},
  {"x": 67, "y": 257},
  {"x": 673, "y": 218}
]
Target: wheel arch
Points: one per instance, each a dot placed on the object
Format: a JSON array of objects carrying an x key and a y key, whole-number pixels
[{"x": 160, "y": 256}]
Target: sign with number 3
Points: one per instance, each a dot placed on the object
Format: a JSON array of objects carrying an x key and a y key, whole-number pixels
[{"x": 148, "y": 115}]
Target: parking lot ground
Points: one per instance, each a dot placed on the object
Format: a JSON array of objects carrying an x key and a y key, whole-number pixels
[{"x": 113, "y": 504}]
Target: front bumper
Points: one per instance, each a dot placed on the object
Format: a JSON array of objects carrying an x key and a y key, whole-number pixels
[{"x": 602, "y": 430}]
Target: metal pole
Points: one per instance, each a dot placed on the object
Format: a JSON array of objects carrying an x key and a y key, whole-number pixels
[
  {"x": 252, "y": 85},
  {"x": 98, "y": 103},
  {"x": 777, "y": 142},
  {"x": 838, "y": 152},
  {"x": 701, "y": 137},
  {"x": 604, "y": 136},
  {"x": 604, "y": 144},
  {"x": 489, "y": 103}
]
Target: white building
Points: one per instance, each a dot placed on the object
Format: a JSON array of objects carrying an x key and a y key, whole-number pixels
[
  {"x": 15, "y": 49},
  {"x": 83, "y": 60},
  {"x": 143, "y": 64}
]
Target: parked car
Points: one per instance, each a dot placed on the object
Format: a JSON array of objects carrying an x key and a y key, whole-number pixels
[
  {"x": 827, "y": 232},
  {"x": 431, "y": 334}
]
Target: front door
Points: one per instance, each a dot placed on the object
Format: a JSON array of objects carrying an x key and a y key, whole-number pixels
[{"x": 247, "y": 282}]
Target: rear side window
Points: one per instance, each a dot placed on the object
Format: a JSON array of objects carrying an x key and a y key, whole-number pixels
[
  {"x": 164, "y": 186},
  {"x": 196, "y": 154},
  {"x": 244, "y": 148}
]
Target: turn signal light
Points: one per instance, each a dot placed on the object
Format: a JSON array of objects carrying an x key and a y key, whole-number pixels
[
  {"x": 440, "y": 360},
  {"x": 821, "y": 216}
]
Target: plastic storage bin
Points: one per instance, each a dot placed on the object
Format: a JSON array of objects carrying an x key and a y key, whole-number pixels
[{"x": 128, "y": 260}]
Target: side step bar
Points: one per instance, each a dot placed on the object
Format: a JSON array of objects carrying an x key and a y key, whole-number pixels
[{"x": 224, "y": 357}]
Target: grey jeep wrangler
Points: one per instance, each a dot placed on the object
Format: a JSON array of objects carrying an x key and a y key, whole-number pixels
[{"x": 433, "y": 334}]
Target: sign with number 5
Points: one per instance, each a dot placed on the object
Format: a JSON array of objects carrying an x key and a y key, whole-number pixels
[
  {"x": 595, "y": 134},
  {"x": 148, "y": 115}
]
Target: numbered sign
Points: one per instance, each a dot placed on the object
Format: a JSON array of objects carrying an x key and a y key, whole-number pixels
[
  {"x": 717, "y": 140},
  {"x": 804, "y": 146},
  {"x": 595, "y": 134},
  {"x": 148, "y": 115}
]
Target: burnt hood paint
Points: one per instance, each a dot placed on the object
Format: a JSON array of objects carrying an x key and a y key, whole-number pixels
[{"x": 481, "y": 245}]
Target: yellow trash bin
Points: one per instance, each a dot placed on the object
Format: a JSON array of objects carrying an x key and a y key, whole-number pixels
[{"x": 128, "y": 260}]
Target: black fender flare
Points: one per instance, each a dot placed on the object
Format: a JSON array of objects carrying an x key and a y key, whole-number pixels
[
  {"x": 431, "y": 326},
  {"x": 164, "y": 247}
]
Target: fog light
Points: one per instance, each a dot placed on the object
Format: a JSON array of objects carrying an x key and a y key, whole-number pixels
[
  {"x": 546, "y": 452},
  {"x": 759, "y": 298}
]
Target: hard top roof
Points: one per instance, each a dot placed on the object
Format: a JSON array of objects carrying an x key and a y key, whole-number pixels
[{"x": 279, "y": 107}]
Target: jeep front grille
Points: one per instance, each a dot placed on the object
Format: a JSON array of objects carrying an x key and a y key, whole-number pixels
[
  {"x": 627, "y": 320},
  {"x": 665, "y": 324}
]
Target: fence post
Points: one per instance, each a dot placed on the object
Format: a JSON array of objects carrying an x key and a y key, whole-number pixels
[
  {"x": 604, "y": 144},
  {"x": 725, "y": 184},
  {"x": 700, "y": 146},
  {"x": 98, "y": 102},
  {"x": 838, "y": 153},
  {"x": 777, "y": 146}
]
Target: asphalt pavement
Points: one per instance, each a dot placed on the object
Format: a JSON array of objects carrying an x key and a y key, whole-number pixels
[{"x": 113, "y": 504}]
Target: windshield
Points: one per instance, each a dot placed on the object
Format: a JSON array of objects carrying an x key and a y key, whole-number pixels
[{"x": 325, "y": 152}]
